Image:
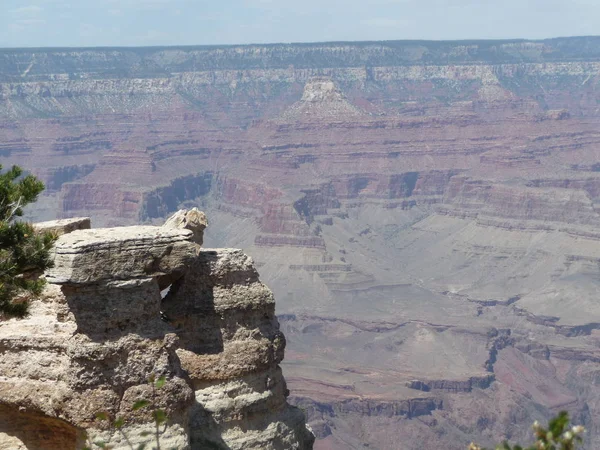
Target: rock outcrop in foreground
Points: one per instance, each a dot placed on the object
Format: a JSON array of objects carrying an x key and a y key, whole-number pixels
[{"x": 102, "y": 328}]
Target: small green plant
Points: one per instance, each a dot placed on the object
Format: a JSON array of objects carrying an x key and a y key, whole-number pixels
[
  {"x": 158, "y": 415},
  {"x": 24, "y": 253},
  {"x": 558, "y": 436}
]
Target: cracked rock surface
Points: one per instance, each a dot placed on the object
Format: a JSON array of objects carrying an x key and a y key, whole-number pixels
[{"x": 101, "y": 329}]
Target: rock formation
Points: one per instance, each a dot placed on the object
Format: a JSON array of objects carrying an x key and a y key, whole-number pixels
[
  {"x": 101, "y": 330},
  {"x": 193, "y": 220},
  {"x": 64, "y": 226},
  {"x": 426, "y": 213},
  {"x": 321, "y": 99}
]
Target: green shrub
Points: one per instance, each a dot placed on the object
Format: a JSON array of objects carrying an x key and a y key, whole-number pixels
[{"x": 24, "y": 254}]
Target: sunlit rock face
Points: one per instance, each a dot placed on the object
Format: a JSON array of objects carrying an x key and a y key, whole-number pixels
[{"x": 102, "y": 329}]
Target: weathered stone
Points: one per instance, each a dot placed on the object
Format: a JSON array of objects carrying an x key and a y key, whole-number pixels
[
  {"x": 101, "y": 329},
  {"x": 64, "y": 226},
  {"x": 193, "y": 219},
  {"x": 112, "y": 254},
  {"x": 234, "y": 411},
  {"x": 321, "y": 99}
]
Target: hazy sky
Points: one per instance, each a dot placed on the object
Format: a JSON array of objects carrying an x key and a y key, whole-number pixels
[{"x": 33, "y": 23}]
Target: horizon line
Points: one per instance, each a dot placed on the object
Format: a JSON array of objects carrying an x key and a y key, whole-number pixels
[{"x": 306, "y": 43}]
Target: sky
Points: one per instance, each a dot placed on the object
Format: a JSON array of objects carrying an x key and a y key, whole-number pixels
[{"x": 92, "y": 23}]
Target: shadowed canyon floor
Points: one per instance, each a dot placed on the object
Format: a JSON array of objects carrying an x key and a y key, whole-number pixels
[{"x": 426, "y": 213}]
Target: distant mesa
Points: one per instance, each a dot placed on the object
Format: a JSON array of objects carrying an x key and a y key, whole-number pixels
[
  {"x": 322, "y": 89},
  {"x": 321, "y": 99}
]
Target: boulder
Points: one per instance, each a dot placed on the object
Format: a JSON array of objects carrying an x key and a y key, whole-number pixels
[
  {"x": 123, "y": 253},
  {"x": 64, "y": 226},
  {"x": 192, "y": 219}
]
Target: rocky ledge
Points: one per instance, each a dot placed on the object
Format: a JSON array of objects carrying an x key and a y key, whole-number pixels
[{"x": 126, "y": 304}]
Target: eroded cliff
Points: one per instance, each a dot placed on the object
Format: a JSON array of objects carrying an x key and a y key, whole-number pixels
[
  {"x": 426, "y": 212},
  {"x": 102, "y": 328}
]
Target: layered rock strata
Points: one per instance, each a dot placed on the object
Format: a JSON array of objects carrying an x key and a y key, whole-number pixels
[
  {"x": 102, "y": 329},
  {"x": 403, "y": 200}
]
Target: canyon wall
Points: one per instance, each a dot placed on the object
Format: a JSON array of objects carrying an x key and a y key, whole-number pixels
[{"x": 425, "y": 212}]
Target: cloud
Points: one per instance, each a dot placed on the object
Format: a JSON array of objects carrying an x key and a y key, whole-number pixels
[
  {"x": 382, "y": 22},
  {"x": 29, "y": 10},
  {"x": 29, "y": 22},
  {"x": 151, "y": 37},
  {"x": 87, "y": 30},
  {"x": 145, "y": 5},
  {"x": 25, "y": 25}
]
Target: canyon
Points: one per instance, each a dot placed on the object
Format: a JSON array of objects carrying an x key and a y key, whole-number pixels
[{"x": 426, "y": 213}]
